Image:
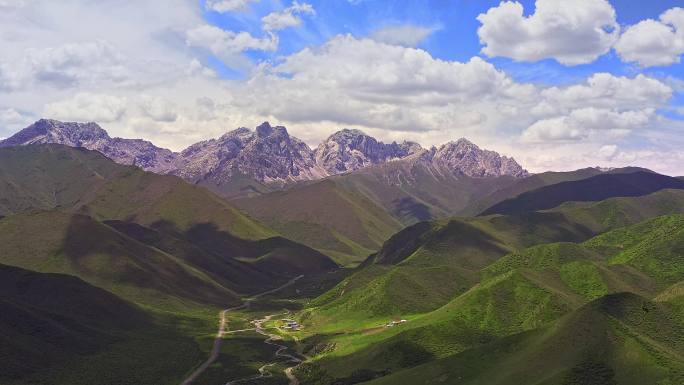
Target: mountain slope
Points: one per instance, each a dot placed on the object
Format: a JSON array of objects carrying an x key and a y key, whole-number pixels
[
  {"x": 350, "y": 215},
  {"x": 350, "y": 150},
  {"x": 427, "y": 265},
  {"x": 182, "y": 217},
  {"x": 53, "y": 242},
  {"x": 595, "y": 188},
  {"x": 39, "y": 312},
  {"x": 617, "y": 339},
  {"x": 322, "y": 215},
  {"x": 91, "y": 136}
]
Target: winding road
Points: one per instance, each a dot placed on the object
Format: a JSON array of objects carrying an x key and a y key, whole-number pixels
[
  {"x": 280, "y": 352},
  {"x": 218, "y": 340}
]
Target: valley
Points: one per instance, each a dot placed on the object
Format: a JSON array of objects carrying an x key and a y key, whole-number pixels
[
  {"x": 341, "y": 192},
  {"x": 327, "y": 283}
]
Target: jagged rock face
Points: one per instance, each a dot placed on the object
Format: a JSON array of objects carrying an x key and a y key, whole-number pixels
[
  {"x": 268, "y": 154},
  {"x": 465, "y": 157},
  {"x": 349, "y": 150},
  {"x": 91, "y": 136}
]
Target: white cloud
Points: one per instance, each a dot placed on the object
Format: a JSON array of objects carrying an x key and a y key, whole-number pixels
[
  {"x": 197, "y": 68},
  {"x": 608, "y": 151},
  {"x": 404, "y": 35},
  {"x": 583, "y": 123},
  {"x": 223, "y": 6},
  {"x": 378, "y": 85},
  {"x": 228, "y": 45},
  {"x": 607, "y": 91},
  {"x": 166, "y": 93},
  {"x": 654, "y": 42},
  {"x": 69, "y": 64},
  {"x": 66, "y": 65},
  {"x": 88, "y": 107},
  {"x": 569, "y": 31},
  {"x": 289, "y": 17},
  {"x": 159, "y": 109}
]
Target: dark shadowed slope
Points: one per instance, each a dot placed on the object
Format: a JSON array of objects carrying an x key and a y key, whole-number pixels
[
  {"x": 536, "y": 181},
  {"x": 46, "y": 319},
  {"x": 595, "y": 188},
  {"x": 54, "y": 242},
  {"x": 182, "y": 218}
]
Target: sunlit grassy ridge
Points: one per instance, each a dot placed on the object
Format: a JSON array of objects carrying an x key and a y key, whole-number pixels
[
  {"x": 616, "y": 339},
  {"x": 521, "y": 292}
]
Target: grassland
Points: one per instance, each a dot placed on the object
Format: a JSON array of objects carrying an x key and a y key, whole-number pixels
[{"x": 513, "y": 303}]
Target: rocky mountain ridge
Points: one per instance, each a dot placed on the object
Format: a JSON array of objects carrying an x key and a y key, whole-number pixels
[
  {"x": 137, "y": 152},
  {"x": 267, "y": 154}
]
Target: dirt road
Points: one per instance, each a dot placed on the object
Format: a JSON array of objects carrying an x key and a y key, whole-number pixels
[
  {"x": 280, "y": 353},
  {"x": 216, "y": 349}
]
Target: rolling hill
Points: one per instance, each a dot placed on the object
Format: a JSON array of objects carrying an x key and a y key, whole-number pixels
[
  {"x": 596, "y": 188},
  {"x": 162, "y": 216},
  {"x": 39, "y": 312},
  {"x": 327, "y": 217},
  {"x": 349, "y": 216},
  {"x": 617, "y": 339},
  {"x": 454, "y": 307}
]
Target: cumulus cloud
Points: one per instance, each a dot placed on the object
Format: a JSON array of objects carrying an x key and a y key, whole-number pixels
[
  {"x": 289, "y": 17},
  {"x": 582, "y": 123},
  {"x": 654, "y": 42},
  {"x": 227, "y": 45},
  {"x": 607, "y": 91},
  {"x": 569, "y": 31},
  {"x": 608, "y": 151},
  {"x": 159, "y": 109},
  {"x": 88, "y": 107},
  {"x": 223, "y": 6},
  {"x": 405, "y": 35},
  {"x": 378, "y": 85},
  {"x": 66, "y": 65}
]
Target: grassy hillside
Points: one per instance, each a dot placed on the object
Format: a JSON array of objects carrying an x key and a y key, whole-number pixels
[
  {"x": 322, "y": 215},
  {"x": 162, "y": 212},
  {"x": 616, "y": 339},
  {"x": 58, "y": 329},
  {"x": 529, "y": 183},
  {"x": 75, "y": 179},
  {"x": 349, "y": 216},
  {"x": 38, "y": 312},
  {"x": 595, "y": 188},
  {"x": 458, "y": 306},
  {"x": 442, "y": 259},
  {"x": 54, "y": 242}
]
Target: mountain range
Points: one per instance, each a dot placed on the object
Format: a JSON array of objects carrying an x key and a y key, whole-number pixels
[
  {"x": 267, "y": 154},
  {"x": 403, "y": 265}
]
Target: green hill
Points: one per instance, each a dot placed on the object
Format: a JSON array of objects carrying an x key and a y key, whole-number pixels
[
  {"x": 595, "y": 188},
  {"x": 529, "y": 183},
  {"x": 450, "y": 312},
  {"x": 349, "y": 216},
  {"x": 616, "y": 339},
  {"x": 213, "y": 239},
  {"x": 322, "y": 215},
  {"x": 39, "y": 312},
  {"x": 78, "y": 180},
  {"x": 54, "y": 242}
]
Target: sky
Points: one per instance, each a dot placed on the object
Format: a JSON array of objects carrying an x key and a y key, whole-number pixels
[{"x": 557, "y": 84}]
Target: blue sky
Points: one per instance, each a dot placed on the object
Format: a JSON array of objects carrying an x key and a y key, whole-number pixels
[
  {"x": 455, "y": 36},
  {"x": 556, "y": 84}
]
